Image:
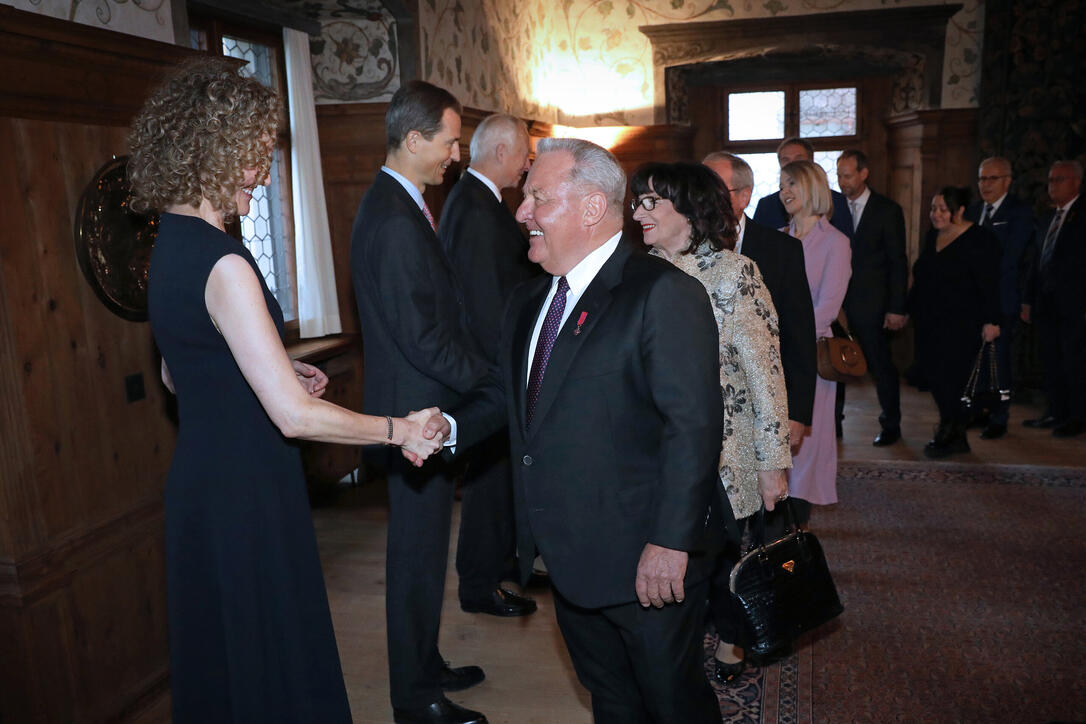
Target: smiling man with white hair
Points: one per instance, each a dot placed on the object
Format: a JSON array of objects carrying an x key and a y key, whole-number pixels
[{"x": 608, "y": 381}]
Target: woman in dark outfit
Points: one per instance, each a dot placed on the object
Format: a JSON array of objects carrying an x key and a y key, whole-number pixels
[
  {"x": 955, "y": 305},
  {"x": 251, "y": 636}
]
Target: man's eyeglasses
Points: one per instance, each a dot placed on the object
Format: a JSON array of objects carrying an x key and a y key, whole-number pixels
[
  {"x": 986, "y": 179},
  {"x": 648, "y": 203}
]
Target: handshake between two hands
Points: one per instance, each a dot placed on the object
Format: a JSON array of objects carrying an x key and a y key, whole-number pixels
[{"x": 426, "y": 433}]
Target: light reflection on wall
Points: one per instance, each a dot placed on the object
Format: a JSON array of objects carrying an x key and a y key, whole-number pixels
[
  {"x": 581, "y": 88},
  {"x": 606, "y": 136}
]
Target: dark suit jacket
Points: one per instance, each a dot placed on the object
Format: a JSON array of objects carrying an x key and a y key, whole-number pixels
[
  {"x": 418, "y": 351},
  {"x": 488, "y": 250},
  {"x": 771, "y": 214},
  {"x": 780, "y": 259},
  {"x": 880, "y": 268},
  {"x": 624, "y": 445},
  {"x": 1058, "y": 289},
  {"x": 1012, "y": 223}
]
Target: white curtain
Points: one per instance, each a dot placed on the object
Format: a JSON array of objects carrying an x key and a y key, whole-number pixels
[{"x": 318, "y": 310}]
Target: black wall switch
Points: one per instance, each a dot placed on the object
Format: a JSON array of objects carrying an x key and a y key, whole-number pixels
[{"x": 133, "y": 387}]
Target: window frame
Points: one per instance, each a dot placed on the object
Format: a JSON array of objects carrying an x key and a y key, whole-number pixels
[
  {"x": 791, "y": 116},
  {"x": 212, "y": 29}
]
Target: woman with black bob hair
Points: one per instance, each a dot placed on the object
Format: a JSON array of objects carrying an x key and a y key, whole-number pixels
[
  {"x": 954, "y": 302},
  {"x": 685, "y": 212}
]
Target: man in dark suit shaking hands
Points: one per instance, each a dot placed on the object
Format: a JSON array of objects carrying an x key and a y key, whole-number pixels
[
  {"x": 489, "y": 252},
  {"x": 875, "y": 302},
  {"x": 417, "y": 348},
  {"x": 608, "y": 380}
]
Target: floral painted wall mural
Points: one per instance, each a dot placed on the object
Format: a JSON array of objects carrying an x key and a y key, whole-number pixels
[
  {"x": 355, "y": 57},
  {"x": 145, "y": 18},
  {"x": 585, "y": 62}
]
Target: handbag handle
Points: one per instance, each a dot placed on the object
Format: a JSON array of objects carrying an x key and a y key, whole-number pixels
[
  {"x": 757, "y": 529},
  {"x": 842, "y": 322},
  {"x": 970, "y": 390}
]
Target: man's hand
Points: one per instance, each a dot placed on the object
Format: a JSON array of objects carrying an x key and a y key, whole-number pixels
[
  {"x": 796, "y": 431},
  {"x": 660, "y": 574},
  {"x": 989, "y": 332},
  {"x": 436, "y": 427},
  {"x": 772, "y": 486},
  {"x": 312, "y": 380},
  {"x": 1023, "y": 314},
  {"x": 894, "y": 322}
]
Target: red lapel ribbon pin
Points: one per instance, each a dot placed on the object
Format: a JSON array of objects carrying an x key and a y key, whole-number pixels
[{"x": 580, "y": 323}]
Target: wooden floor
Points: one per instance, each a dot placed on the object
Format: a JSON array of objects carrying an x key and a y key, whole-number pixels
[{"x": 529, "y": 677}]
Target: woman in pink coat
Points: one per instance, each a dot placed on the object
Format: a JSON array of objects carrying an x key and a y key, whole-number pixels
[{"x": 827, "y": 255}]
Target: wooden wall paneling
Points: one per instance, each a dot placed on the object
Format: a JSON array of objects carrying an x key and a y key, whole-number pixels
[
  {"x": 708, "y": 115},
  {"x": 642, "y": 144},
  {"x": 352, "y": 140},
  {"x": 82, "y": 590},
  {"x": 18, "y": 501},
  {"x": 112, "y": 604},
  {"x": 58, "y": 382}
]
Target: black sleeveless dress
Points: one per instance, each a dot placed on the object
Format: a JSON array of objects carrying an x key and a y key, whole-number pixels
[{"x": 251, "y": 635}]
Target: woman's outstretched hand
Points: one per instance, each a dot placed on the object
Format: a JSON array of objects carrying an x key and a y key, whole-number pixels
[{"x": 421, "y": 440}]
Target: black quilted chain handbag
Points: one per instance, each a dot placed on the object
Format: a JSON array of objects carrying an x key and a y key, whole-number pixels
[
  {"x": 974, "y": 400},
  {"x": 784, "y": 587}
]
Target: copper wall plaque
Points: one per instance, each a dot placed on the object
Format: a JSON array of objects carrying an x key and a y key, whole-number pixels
[{"x": 113, "y": 244}]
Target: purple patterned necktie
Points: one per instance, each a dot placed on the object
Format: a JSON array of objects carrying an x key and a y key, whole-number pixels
[
  {"x": 428, "y": 215},
  {"x": 543, "y": 346}
]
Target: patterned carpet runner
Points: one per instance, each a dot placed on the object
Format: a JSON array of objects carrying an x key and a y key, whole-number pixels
[{"x": 964, "y": 598}]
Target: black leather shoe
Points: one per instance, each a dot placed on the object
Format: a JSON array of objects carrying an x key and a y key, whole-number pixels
[
  {"x": 888, "y": 436},
  {"x": 441, "y": 711},
  {"x": 725, "y": 674},
  {"x": 1071, "y": 428},
  {"x": 501, "y": 602},
  {"x": 1043, "y": 422},
  {"x": 949, "y": 439},
  {"x": 993, "y": 431},
  {"x": 460, "y": 678}
]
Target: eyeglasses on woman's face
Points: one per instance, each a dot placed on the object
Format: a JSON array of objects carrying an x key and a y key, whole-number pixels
[{"x": 646, "y": 202}]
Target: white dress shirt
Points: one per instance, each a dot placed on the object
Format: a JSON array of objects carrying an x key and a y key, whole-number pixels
[
  {"x": 857, "y": 205},
  {"x": 487, "y": 182},
  {"x": 742, "y": 230},
  {"x": 578, "y": 278},
  {"x": 411, "y": 188}
]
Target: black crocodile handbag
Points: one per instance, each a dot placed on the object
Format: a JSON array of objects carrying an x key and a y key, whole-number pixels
[{"x": 784, "y": 588}]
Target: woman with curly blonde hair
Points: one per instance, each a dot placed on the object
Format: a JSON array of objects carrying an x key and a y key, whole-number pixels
[{"x": 251, "y": 636}]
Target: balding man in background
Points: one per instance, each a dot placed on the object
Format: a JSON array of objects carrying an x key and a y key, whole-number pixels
[
  {"x": 1011, "y": 220},
  {"x": 488, "y": 250}
]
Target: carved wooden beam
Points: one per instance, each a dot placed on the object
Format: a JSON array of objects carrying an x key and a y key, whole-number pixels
[{"x": 920, "y": 29}]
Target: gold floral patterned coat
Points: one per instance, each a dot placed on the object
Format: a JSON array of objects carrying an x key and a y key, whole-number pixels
[{"x": 751, "y": 377}]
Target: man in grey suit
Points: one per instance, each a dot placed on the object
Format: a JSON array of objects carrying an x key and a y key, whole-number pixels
[
  {"x": 875, "y": 302},
  {"x": 488, "y": 250}
]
